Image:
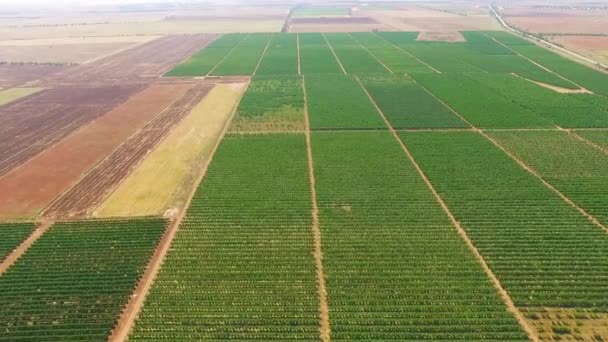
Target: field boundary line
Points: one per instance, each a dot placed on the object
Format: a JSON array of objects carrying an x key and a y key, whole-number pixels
[
  {"x": 24, "y": 246},
  {"x": 409, "y": 54},
  {"x": 131, "y": 310},
  {"x": 262, "y": 56},
  {"x": 324, "y": 323},
  {"x": 533, "y": 172},
  {"x": 538, "y": 64},
  {"x": 43, "y": 211},
  {"x": 370, "y": 53},
  {"x": 228, "y": 54},
  {"x": 299, "y": 58},
  {"x": 334, "y": 52},
  {"x": 463, "y": 235}
]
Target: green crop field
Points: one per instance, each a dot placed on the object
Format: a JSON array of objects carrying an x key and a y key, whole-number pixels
[
  {"x": 11, "y": 235},
  {"x": 74, "y": 281},
  {"x": 370, "y": 186}
]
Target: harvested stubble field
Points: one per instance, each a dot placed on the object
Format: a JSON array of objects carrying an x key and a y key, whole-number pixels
[
  {"x": 96, "y": 185},
  {"x": 371, "y": 186}
]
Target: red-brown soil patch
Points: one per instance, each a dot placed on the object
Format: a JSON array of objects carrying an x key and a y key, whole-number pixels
[
  {"x": 582, "y": 42},
  {"x": 30, "y": 126},
  {"x": 98, "y": 183},
  {"x": 16, "y": 74},
  {"x": 148, "y": 60},
  {"x": 558, "y": 20},
  {"x": 27, "y": 189}
]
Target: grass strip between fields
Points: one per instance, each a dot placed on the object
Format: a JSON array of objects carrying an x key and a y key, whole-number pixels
[{"x": 12, "y": 94}]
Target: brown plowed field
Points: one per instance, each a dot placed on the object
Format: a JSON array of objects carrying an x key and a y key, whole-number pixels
[
  {"x": 105, "y": 176},
  {"x": 147, "y": 60},
  {"x": 30, "y": 126},
  {"x": 27, "y": 189},
  {"x": 16, "y": 74}
]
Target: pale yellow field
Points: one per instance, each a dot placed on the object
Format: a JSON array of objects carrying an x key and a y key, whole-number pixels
[
  {"x": 12, "y": 94},
  {"x": 166, "y": 177}
]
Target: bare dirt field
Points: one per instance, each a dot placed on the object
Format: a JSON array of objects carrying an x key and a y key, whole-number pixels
[
  {"x": 30, "y": 187},
  {"x": 148, "y": 60},
  {"x": 595, "y": 47},
  {"x": 100, "y": 181},
  {"x": 17, "y": 74},
  {"x": 29, "y": 126},
  {"x": 557, "y": 20}
]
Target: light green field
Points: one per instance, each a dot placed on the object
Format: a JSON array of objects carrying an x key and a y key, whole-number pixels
[
  {"x": 12, "y": 94},
  {"x": 321, "y": 11}
]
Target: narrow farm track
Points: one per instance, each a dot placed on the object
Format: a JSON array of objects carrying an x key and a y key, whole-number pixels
[
  {"x": 586, "y": 141},
  {"x": 257, "y": 66},
  {"x": 24, "y": 246},
  {"x": 409, "y": 54},
  {"x": 106, "y": 175},
  {"x": 324, "y": 324},
  {"x": 299, "y": 57},
  {"x": 537, "y": 64},
  {"x": 532, "y": 334},
  {"x": 371, "y": 54},
  {"x": 131, "y": 310},
  {"x": 334, "y": 53}
]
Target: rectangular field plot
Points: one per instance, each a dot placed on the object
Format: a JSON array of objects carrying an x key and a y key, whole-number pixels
[
  {"x": 353, "y": 56},
  {"x": 396, "y": 268},
  {"x": 339, "y": 102},
  {"x": 11, "y": 235},
  {"x": 395, "y": 59},
  {"x": 564, "y": 110},
  {"x": 543, "y": 251},
  {"x": 74, "y": 281},
  {"x": 271, "y": 104},
  {"x": 407, "y": 105},
  {"x": 242, "y": 257},
  {"x": 244, "y": 58},
  {"x": 206, "y": 59},
  {"x": 485, "y": 109},
  {"x": 398, "y": 38},
  {"x": 316, "y": 56},
  {"x": 578, "y": 170},
  {"x": 281, "y": 58}
]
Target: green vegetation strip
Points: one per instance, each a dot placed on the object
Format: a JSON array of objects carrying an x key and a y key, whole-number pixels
[
  {"x": 352, "y": 55},
  {"x": 396, "y": 268},
  {"x": 321, "y": 11},
  {"x": 407, "y": 105},
  {"x": 73, "y": 282},
  {"x": 271, "y": 104},
  {"x": 339, "y": 102},
  {"x": 316, "y": 56},
  {"x": 281, "y": 58},
  {"x": 577, "y": 169},
  {"x": 244, "y": 58},
  {"x": 13, "y": 234},
  {"x": 543, "y": 251},
  {"x": 241, "y": 264},
  {"x": 578, "y": 73},
  {"x": 206, "y": 59},
  {"x": 483, "y": 107}
]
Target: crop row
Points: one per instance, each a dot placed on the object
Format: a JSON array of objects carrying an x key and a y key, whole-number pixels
[
  {"x": 243, "y": 59},
  {"x": 281, "y": 58},
  {"x": 240, "y": 266},
  {"x": 271, "y": 103},
  {"x": 600, "y": 138},
  {"x": 564, "y": 110},
  {"x": 581, "y": 74},
  {"x": 75, "y": 279},
  {"x": 338, "y": 101},
  {"x": 206, "y": 59},
  {"x": 396, "y": 268},
  {"x": 544, "y": 252},
  {"x": 11, "y": 235},
  {"x": 486, "y": 109},
  {"x": 407, "y": 105},
  {"x": 575, "y": 168}
]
